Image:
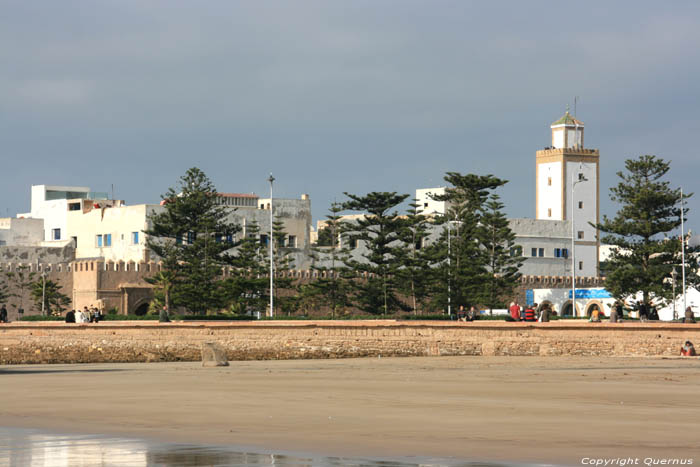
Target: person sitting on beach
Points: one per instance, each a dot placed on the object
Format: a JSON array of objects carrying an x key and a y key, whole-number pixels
[
  {"x": 688, "y": 350},
  {"x": 70, "y": 317}
]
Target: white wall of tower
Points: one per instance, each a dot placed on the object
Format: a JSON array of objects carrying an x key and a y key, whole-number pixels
[{"x": 549, "y": 191}]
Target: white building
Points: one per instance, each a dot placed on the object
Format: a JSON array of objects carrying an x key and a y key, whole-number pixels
[
  {"x": 568, "y": 189},
  {"x": 427, "y": 205},
  {"x": 52, "y": 204},
  {"x": 545, "y": 241}
]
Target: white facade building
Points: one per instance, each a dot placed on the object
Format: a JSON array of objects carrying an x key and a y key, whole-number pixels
[
  {"x": 427, "y": 205},
  {"x": 52, "y": 204},
  {"x": 568, "y": 189}
]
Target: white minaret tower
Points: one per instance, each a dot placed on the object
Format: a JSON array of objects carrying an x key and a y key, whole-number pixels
[{"x": 561, "y": 167}]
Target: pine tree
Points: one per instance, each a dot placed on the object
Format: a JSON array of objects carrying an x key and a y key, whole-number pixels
[
  {"x": 466, "y": 271},
  {"x": 416, "y": 272},
  {"x": 332, "y": 288},
  {"x": 193, "y": 238},
  {"x": 282, "y": 261},
  {"x": 247, "y": 291},
  {"x": 380, "y": 232},
  {"x": 50, "y": 292},
  {"x": 19, "y": 280},
  {"x": 503, "y": 262},
  {"x": 649, "y": 213}
]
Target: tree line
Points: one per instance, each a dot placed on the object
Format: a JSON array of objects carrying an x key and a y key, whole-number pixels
[{"x": 471, "y": 262}]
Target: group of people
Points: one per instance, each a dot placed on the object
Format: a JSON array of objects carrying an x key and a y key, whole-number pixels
[
  {"x": 471, "y": 315},
  {"x": 92, "y": 315},
  {"x": 528, "y": 313}
]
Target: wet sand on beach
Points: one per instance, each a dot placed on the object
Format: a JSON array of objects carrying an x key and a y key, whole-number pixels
[{"x": 493, "y": 408}]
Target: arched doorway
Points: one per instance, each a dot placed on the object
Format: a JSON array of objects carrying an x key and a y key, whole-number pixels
[
  {"x": 566, "y": 309},
  {"x": 142, "y": 309}
]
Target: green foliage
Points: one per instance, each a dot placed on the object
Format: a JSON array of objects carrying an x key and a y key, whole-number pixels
[
  {"x": 20, "y": 279},
  {"x": 247, "y": 291},
  {"x": 380, "y": 231},
  {"x": 193, "y": 238},
  {"x": 415, "y": 274},
  {"x": 498, "y": 242},
  {"x": 464, "y": 241},
  {"x": 333, "y": 287},
  {"x": 649, "y": 212},
  {"x": 54, "y": 302}
]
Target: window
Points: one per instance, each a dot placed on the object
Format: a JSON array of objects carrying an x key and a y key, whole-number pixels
[
  {"x": 263, "y": 239},
  {"x": 565, "y": 252},
  {"x": 549, "y": 212},
  {"x": 229, "y": 238},
  {"x": 425, "y": 205},
  {"x": 190, "y": 238},
  {"x": 557, "y": 252},
  {"x": 108, "y": 239},
  {"x": 534, "y": 252},
  {"x": 580, "y": 176},
  {"x": 580, "y": 265},
  {"x": 517, "y": 250},
  {"x": 178, "y": 240},
  {"x": 541, "y": 252},
  {"x": 218, "y": 238},
  {"x": 549, "y": 181},
  {"x": 580, "y": 204},
  {"x": 74, "y": 206},
  {"x": 580, "y": 234},
  {"x": 134, "y": 238},
  {"x": 55, "y": 234},
  {"x": 98, "y": 241},
  {"x": 292, "y": 242}
]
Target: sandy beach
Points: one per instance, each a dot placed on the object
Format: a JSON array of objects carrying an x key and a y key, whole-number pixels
[{"x": 558, "y": 410}]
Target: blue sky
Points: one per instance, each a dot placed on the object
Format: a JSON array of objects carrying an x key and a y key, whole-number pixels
[{"x": 335, "y": 96}]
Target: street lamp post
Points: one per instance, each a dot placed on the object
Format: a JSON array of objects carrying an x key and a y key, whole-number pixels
[
  {"x": 673, "y": 280},
  {"x": 573, "y": 243},
  {"x": 43, "y": 293},
  {"x": 449, "y": 271},
  {"x": 272, "y": 268},
  {"x": 683, "y": 250}
]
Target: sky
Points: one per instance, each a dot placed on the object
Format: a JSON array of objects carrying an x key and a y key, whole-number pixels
[{"x": 339, "y": 96}]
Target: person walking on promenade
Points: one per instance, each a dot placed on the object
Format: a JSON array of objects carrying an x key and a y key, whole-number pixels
[
  {"x": 514, "y": 311},
  {"x": 3, "y": 314},
  {"x": 616, "y": 312}
]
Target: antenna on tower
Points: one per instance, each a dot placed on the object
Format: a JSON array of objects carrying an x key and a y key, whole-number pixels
[{"x": 575, "y": 101}]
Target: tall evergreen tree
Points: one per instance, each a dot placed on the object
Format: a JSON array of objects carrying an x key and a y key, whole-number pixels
[
  {"x": 332, "y": 288},
  {"x": 193, "y": 237},
  {"x": 247, "y": 290},
  {"x": 282, "y": 261},
  {"x": 503, "y": 261},
  {"x": 642, "y": 229},
  {"x": 466, "y": 271},
  {"x": 416, "y": 273},
  {"x": 380, "y": 231}
]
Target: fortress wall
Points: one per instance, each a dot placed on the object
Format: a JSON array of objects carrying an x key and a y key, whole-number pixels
[{"x": 52, "y": 342}]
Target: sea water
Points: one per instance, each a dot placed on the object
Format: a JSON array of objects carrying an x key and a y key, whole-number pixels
[{"x": 28, "y": 447}]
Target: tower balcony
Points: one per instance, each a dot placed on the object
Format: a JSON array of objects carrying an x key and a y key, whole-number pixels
[{"x": 549, "y": 151}]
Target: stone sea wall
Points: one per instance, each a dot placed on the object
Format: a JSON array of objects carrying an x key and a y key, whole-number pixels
[{"x": 52, "y": 342}]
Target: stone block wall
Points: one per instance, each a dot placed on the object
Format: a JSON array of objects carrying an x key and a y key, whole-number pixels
[{"x": 51, "y": 342}]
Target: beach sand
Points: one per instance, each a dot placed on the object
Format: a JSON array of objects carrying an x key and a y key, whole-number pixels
[{"x": 553, "y": 409}]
